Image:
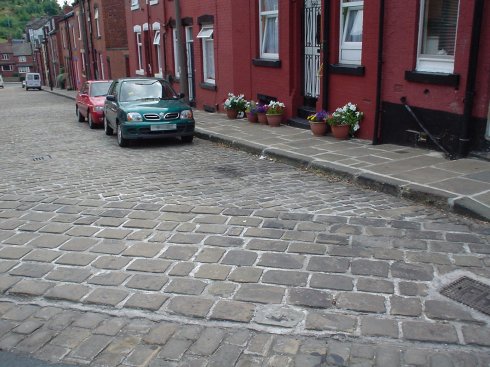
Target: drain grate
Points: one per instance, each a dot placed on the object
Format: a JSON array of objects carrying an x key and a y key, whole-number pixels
[
  {"x": 41, "y": 158},
  {"x": 469, "y": 292}
]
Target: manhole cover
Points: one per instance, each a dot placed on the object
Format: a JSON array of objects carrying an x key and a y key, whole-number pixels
[{"x": 469, "y": 292}]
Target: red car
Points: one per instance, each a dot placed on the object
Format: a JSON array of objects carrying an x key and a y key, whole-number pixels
[{"x": 90, "y": 102}]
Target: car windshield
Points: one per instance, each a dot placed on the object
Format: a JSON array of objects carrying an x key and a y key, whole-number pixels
[
  {"x": 99, "y": 89},
  {"x": 146, "y": 90}
]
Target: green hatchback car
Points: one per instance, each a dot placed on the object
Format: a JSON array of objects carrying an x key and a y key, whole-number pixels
[{"x": 146, "y": 108}]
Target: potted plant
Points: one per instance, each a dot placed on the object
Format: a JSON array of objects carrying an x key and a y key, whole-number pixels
[
  {"x": 275, "y": 111},
  {"x": 251, "y": 111},
  {"x": 345, "y": 120},
  {"x": 234, "y": 104},
  {"x": 261, "y": 111},
  {"x": 318, "y": 122}
]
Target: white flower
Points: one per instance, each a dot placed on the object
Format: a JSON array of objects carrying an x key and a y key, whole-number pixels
[{"x": 352, "y": 107}]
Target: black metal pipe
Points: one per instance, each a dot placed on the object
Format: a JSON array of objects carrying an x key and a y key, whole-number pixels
[
  {"x": 326, "y": 53},
  {"x": 471, "y": 79},
  {"x": 377, "y": 113},
  {"x": 403, "y": 100}
]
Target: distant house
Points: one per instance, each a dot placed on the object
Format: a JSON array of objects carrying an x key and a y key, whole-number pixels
[{"x": 15, "y": 59}]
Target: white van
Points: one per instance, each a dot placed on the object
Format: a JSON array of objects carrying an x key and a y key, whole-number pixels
[{"x": 33, "y": 81}]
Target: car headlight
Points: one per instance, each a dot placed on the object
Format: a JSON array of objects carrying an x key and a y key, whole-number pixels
[
  {"x": 186, "y": 114},
  {"x": 99, "y": 108},
  {"x": 134, "y": 116}
]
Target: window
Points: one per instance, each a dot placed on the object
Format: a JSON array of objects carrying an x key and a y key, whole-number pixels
[
  {"x": 74, "y": 38},
  {"x": 351, "y": 18},
  {"x": 7, "y": 68},
  {"x": 97, "y": 24},
  {"x": 102, "y": 71},
  {"x": 63, "y": 39},
  {"x": 139, "y": 50},
  {"x": 5, "y": 56},
  {"x": 22, "y": 59},
  {"x": 206, "y": 35},
  {"x": 176, "y": 54},
  {"x": 156, "y": 43},
  {"x": 269, "y": 29},
  {"x": 135, "y": 4},
  {"x": 24, "y": 69},
  {"x": 79, "y": 26},
  {"x": 437, "y": 35}
]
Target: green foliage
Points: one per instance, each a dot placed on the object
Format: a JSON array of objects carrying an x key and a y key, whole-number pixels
[{"x": 14, "y": 15}]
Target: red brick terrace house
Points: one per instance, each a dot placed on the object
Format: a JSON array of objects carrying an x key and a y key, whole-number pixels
[
  {"x": 103, "y": 38},
  {"x": 7, "y": 61},
  {"x": 412, "y": 67}
]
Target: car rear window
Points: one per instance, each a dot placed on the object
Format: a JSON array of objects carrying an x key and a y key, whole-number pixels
[{"x": 99, "y": 89}]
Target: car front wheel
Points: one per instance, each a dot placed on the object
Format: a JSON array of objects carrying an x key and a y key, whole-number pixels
[
  {"x": 120, "y": 139},
  {"x": 90, "y": 121},
  {"x": 80, "y": 116},
  {"x": 107, "y": 129}
]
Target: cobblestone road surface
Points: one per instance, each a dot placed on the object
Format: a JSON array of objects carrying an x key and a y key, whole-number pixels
[{"x": 166, "y": 254}]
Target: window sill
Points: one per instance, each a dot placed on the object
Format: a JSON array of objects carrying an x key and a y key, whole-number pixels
[
  {"x": 136, "y": 7},
  {"x": 267, "y": 63},
  {"x": 208, "y": 86},
  {"x": 140, "y": 72},
  {"x": 347, "y": 69},
  {"x": 415, "y": 76}
]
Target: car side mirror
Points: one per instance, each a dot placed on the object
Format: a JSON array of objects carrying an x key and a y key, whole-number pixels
[{"x": 110, "y": 97}]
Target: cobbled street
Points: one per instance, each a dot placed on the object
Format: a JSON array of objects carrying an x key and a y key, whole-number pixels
[{"x": 170, "y": 254}]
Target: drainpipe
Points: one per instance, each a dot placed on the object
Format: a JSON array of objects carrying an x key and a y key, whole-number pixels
[
  {"x": 85, "y": 54},
  {"x": 184, "y": 85},
  {"x": 471, "y": 79},
  {"x": 377, "y": 114},
  {"x": 326, "y": 53}
]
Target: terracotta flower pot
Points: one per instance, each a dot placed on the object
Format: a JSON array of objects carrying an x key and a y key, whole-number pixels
[
  {"x": 252, "y": 117},
  {"x": 232, "y": 114},
  {"x": 340, "y": 132},
  {"x": 274, "y": 120},
  {"x": 318, "y": 128},
  {"x": 262, "y": 118}
]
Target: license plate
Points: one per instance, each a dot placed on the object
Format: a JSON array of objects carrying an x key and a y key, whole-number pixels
[{"x": 165, "y": 127}]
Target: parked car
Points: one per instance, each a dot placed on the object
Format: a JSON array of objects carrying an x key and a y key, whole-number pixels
[
  {"x": 89, "y": 103},
  {"x": 146, "y": 108},
  {"x": 33, "y": 81},
  {"x": 1, "y": 82}
]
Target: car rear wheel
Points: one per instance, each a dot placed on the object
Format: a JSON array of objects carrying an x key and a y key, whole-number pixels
[
  {"x": 187, "y": 139},
  {"x": 120, "y": 139},
  {"x": 80, "y": 116},
  {"x": 90, "y": 121},
  {"x": 107, "y": 129}
]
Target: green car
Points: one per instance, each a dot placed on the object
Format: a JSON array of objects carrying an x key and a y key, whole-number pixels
[{"x": 146, "y": 108}]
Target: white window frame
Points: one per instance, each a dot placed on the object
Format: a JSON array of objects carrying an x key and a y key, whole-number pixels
[
  {"x": 102, "y": 70},
  {"x": 176, "y": 53},
  {"x": 429, "y": 62},
  {"x": 264, "y": 18},
  {"x": 74, "y": 37},
  {"x": 22, "y": 59},
  {"x": 24, "y": 69},
  {"x": 63, "y": 38},
  {"x": 206, "y": 36},
  {"x": 97, "y": 23},
  {"x": 349, "y": 52},
  {"x": 7, "y": 68},
  {"x": 153, "y": 2},
  {"x": 135, "y": 4},
  {"x": 139, "y": 49},
  {"x": 5, "y": 56},
  {"x": 156, "y": 44},
  {"x": 79, "y": 25}
]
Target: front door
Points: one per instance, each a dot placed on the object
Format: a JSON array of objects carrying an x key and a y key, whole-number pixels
[
  {"x": 189, "y": 46},
  {"x": 311, "y": 44}
]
